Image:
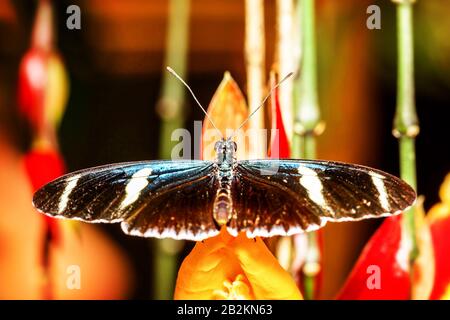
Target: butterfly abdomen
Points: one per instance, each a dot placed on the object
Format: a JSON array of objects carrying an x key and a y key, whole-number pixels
[{"x": 223, "y": 203}]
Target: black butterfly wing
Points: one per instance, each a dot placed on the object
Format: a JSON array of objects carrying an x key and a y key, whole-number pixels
[
  {"x": 154, "y": 198},
  {"x": 282, "y": 197}
]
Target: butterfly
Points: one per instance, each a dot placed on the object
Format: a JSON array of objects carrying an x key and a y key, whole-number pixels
[{"x": 194, "y": 199}]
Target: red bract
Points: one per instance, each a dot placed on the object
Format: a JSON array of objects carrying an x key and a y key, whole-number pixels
[
  {"x": 43, "y": 166},
  {"x": 439, "y": 220},
  {"x": 381, "y": 271},
  {"x": 440, "y": 231},
  {"x": 384, "y": 269},
  {"x": 279, "y": 142},
  {"x": 42, "y": 94},
  {"x": 43, "y": 84},
  {"x": 42, "y": 89},
  {"x": 32, "y": 86},
  {"x": 33, "y": 70}
]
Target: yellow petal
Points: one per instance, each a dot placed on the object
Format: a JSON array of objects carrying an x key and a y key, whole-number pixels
[
  {"x": 444, "y": 191},
  {"x": 438, "y": 211},
  {"x": 446, "y": 295},
  {"x": 266, "y": 277},
  {"x": 206, "y": 268},
  {"x": 225, "y": 267},
  {"x": 57, "y": 90},
  {"x": 239, "y": 289}
]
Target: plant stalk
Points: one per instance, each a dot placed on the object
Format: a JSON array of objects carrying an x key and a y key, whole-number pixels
[
  {"x": 307, "y": 125},
  {"x": 170, "y": 109},
  {"x": 406, "y": 124},
  {"x": 285, "y": 60},
  {"x": 255, "y": 64}
]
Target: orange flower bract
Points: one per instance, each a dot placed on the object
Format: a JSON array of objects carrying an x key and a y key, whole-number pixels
[{"x": 225, "y": 267}]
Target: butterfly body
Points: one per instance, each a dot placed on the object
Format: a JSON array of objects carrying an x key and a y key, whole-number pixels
[{"x": 225, "y": 166}]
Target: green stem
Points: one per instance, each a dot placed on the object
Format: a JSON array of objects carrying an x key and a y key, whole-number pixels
[
  {"x": 309, "y": 147},
  {"x": 405, "y": 122},
  {"x": 170, "y": 109},
  {"x": 408, "y": 160},
  {"x": 406, "y": 126},
  {"x": 408, "y": 173},
  {"x": 307, "y": 122},
  {"x": 165, "y": 268},
  {"x": 307, "y": 112}
]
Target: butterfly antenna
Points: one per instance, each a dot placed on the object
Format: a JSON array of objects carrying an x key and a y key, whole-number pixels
[
  {"x": 195, "y": 98},
  {"x": 262, "y": 103}
]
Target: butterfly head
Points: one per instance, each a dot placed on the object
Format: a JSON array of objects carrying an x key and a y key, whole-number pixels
[{"x": 225, "y": 151}]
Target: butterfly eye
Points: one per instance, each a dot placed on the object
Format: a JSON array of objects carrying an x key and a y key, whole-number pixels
[{"x": 218, "y": 146}]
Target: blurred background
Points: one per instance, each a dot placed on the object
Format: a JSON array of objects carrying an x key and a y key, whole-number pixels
[{"x": 115, "y": 64}]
